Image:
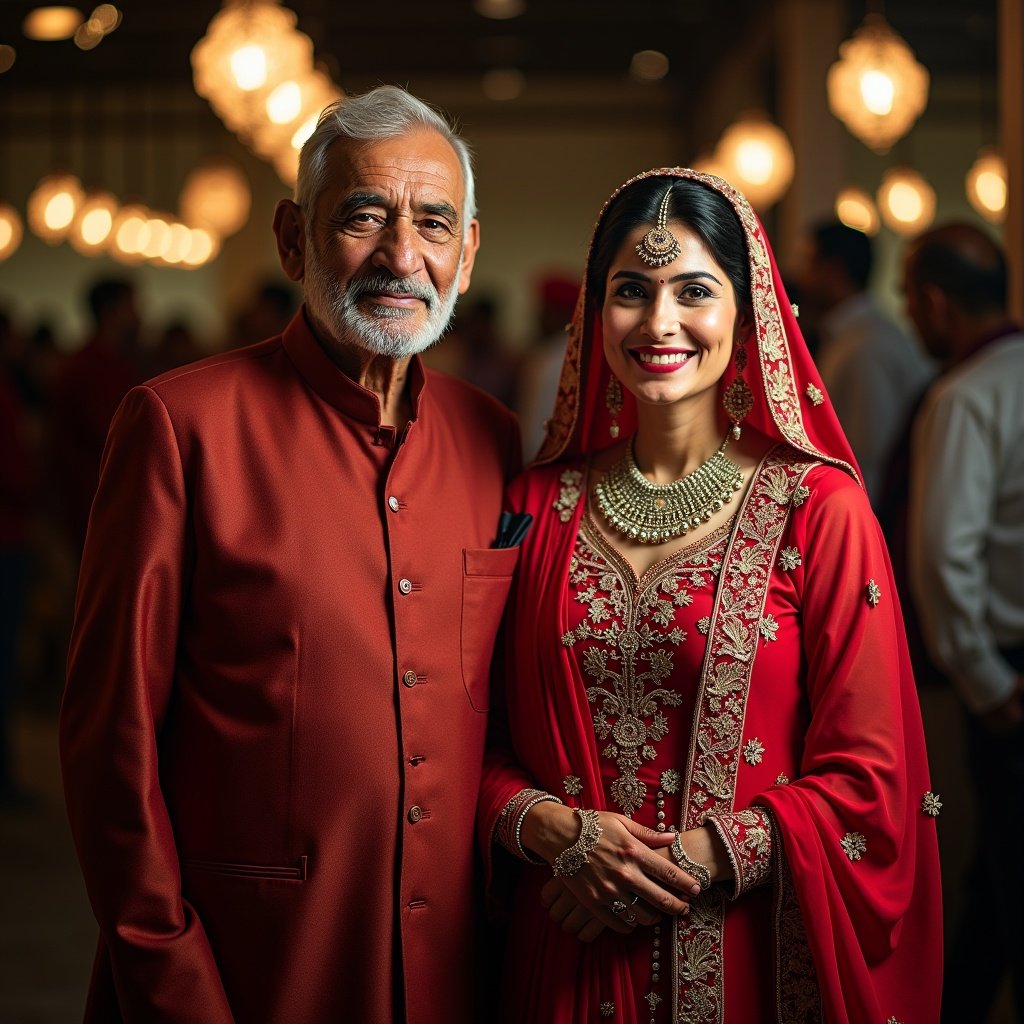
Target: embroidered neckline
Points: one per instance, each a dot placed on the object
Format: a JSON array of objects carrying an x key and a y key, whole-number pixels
[{"x": 678, "y": 559}]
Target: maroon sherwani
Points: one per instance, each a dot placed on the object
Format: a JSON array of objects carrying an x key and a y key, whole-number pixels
[{"x": 273, "y": 725}]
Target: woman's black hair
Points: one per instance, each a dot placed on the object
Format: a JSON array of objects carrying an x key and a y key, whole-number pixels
[{"x": 698, "y": 206}]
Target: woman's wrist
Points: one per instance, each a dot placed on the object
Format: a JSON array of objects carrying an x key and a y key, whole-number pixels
[{"x": 549, "y": 828}]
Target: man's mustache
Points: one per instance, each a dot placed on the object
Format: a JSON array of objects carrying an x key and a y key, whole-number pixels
[{"x": 395, "y": 285}]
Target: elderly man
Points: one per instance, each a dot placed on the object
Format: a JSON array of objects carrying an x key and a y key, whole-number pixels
[
  {"x": 273, "y": 724},
  {"x": 966, "y": 539}
]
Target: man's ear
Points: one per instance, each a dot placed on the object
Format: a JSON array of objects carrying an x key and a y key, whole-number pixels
[
  {"x": 290, "y": 232},
  {"x": 470, "y": 245}
]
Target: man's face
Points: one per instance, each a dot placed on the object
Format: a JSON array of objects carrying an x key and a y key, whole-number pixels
[{"x": 386, "y": 250}]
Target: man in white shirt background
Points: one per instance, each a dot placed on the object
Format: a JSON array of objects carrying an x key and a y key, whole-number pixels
[
  {"x": 966, "y": 555},
  {"x": 873, "y": 371}
]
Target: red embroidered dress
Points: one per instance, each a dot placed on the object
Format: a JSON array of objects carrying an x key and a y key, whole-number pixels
[{"x": 757, "y": 681}]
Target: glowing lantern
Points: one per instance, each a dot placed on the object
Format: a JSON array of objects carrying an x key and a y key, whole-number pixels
[
  {"x": 53, "y": 205},
  {"x": 94, "y": 224},
  {"x": 856, "y": 209},
  {"x": 877, "y": 88},
  {"x": 10, "y": 230},
  {"x": 986, "y": 186},
  {"x": 757, "y": 158},
  {"x": 906, "y": 201},
  {"x": 216, "y": 195}
]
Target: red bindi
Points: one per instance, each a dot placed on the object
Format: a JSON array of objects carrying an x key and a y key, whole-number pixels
[{"x": 661, "y": 280}]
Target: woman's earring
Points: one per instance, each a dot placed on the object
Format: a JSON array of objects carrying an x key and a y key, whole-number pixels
[
  {"x": 737, "y": 398},
  {"x": 613, "y": 402}
]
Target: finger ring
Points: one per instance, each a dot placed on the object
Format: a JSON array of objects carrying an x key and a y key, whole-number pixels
[
  {"x": 635, "y": 900},
  {"x": 618, "y": 907},
  {"x": 630, "y": 918}
]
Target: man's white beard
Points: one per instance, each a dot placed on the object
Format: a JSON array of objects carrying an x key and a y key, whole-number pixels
[{"x": 379, "y": 331}]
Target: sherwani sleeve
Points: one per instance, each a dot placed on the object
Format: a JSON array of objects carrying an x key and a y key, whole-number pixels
[
  {"x": 121, "y": 671},
  {"x": 953, "y": 487},
  {"x": 852, "y": 831}
]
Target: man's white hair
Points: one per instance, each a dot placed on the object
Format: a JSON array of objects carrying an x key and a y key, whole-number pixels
[{"x": 386, "y": 112}]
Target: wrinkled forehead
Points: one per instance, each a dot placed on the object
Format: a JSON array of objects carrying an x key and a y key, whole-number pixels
[{"x": 418, "y": 167}]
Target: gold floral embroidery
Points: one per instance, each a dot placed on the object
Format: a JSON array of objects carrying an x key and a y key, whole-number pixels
[
  {"x": 769, "y": 628},
  {"x": 782, "y": 779},
  {"x": 800, "y": 495},
  {"x": 704, "y": 624},
  {"x": 931, "y": 804},
  {"x": 607, "y": 1009},
  {"x": 753, "y": 751},
  {"x": 715, "y": 748},
  {"x": 652, "y": 999},
  {"x": 796, "y": 981},
  {"x": 815, "y": 395},
  {"x": 670, "y": 780},
  {"x": 874, "y": 593},
  {"x": 854, "y": 845},
  {"x": 573, "y": 785},
  {"x": 632, "y": 629},
  {"x": 569, "y": 495},
  {"x": 790, "y": 559},
  {"x": 893, "y": 1020},
  {"x": 748, "y": 839}
]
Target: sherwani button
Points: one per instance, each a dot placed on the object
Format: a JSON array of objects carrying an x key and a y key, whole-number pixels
[
  {"x": 409, "y": 678},
  {"x": 415, "y": 813},
  {"x": 404, "y": 586},
  {"x": 393, "y": 503}
]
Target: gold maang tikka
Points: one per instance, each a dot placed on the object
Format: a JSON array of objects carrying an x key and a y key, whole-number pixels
[{"x": 659, "y": 246}]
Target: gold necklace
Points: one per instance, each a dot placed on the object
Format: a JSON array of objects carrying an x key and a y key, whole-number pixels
[{"x": 653, "y": 513}]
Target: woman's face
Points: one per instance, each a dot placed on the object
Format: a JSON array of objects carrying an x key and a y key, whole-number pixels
[{"x": 669, "y": 331}]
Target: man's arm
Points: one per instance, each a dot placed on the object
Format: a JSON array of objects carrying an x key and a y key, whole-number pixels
[
  {"x": 120, "y": 675},
  {"x": 952, "y": 494}
]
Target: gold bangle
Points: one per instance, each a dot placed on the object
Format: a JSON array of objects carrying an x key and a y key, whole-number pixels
[
  {"x": 700, "y": 874},
  {"x": 570, "y": 860}
]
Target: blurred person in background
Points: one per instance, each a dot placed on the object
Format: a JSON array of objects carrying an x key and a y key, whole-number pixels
[
  {"x": 872, "y": 370},
  {"x": 88, "y": 389},
  {"x": 267, "y": 313},
  {"x": 966, "y": 542},
  {"x": 542, "y": 365}
]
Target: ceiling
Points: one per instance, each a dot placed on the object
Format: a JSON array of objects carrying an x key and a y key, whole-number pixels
[{"x": 408, "y": 41}]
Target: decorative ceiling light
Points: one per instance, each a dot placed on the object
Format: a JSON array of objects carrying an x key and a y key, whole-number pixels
[
  {"x": 94, "y": 224},
  {"x": 107, "y": 17},
  {"x": 49, "y": 24},
  {"x": 8, "y": 55},
  {"x": 877, "y": 88},
  {"x": 52, "y": 206},
  {"x": 10, "y": 230},
  {"x": 130, "y": 233},
  {"x": 292, "y": 112},
  {"x": 906, "y": 201},
  {"x": 249, "y": 49},
  {"x": 159, "y": 237},
  {"x": 180, "y": 244},
  {"x": 203, "y": 249},
  {"x": 500, "y": 9},
  {"x": 649, "y": 66},
  {"x": 986, "y": 186},
  {"x": 757, "y": 158},
  {"x": 216, "y": 195},
  {"x": 856, "y": 209}
]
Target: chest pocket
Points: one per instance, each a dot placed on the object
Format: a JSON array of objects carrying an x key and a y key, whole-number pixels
[{"x": 486, "y": 579}]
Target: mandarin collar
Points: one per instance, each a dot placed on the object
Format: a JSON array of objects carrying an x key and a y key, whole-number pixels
[{"x": 334, "y": 386}]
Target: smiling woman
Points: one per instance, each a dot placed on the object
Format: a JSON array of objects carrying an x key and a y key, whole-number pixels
[{"x": 686, "y": 722}]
